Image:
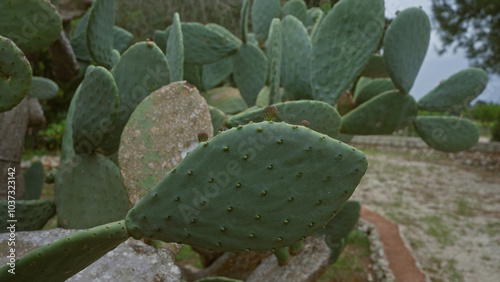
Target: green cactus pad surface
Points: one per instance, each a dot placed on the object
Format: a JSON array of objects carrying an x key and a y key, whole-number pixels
[
  {"x": 215, "y": 73},
  {"x": 34, "y": 178},
  {"x": 218, "y": 117},
  {"x": 89, "y": 192},
  {"x": 295, "y": 66},
  {"x": 96, "y": 110},
  {"x": 343, "y": 45},
  {"x": 15, "y": 75},
  {"x": 249, "y": 71},
  {"x": 263, "y": 13},
  {"x": 100, "y": 32},
  {"x": 383, "y": 114},
  {"x": 67, "y": 150},
  {"x": 141, "y": 70},
  {"x": 282, "y": 255},
  {"x": 160, "y": 39},
  {"x": 43, "y": 88},
  {"x": 226, "y": 99},
  {"x": 193, "y": 75},
  {"x": 202, "y": 45},
  {"x": 161, "y": 130},
  {"x": 30, "y": 214},
  {"x": 66, "y": 257},
  {"x": 376, "y": 67},
  {"x": 447, "y": 133},
  {"x": 245, "y": 8},
  {"x": 31, "y": 24},
  {"x": 252, "y": 188},
  {"x": 175, "y": 50},
  {"x": 313, "y": 14},
  {"x": 297, "y": 9},
  {"x": 372, "y": 89},
  {"x": 79, "y": 40},
  {"x": 405, "y": 45},
  {"x": 121, "y": 39},
  {"x": 224, "y": 32},
  {"x": 339, "y": 227},
  {"x": 274, "y": 50},
  {"x": 322, "y": 117},
  {"x": 456, "y": 92},
  {"x": 263, "y": 97}
]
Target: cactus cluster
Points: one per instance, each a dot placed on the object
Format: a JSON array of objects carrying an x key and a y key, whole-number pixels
[{"x": 276, "y": 98}]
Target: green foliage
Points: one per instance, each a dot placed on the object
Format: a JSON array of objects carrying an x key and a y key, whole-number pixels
[
  {"x": 486, "y": 112},
  {"x": 495, "y": 131}
]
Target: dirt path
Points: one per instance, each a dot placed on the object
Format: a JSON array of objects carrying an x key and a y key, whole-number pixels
[{"x": 448, "y": 213}]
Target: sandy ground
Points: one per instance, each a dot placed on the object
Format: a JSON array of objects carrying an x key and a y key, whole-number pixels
[{"x": 449, "y": 213}]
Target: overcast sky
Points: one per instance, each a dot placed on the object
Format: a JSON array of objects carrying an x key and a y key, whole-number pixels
[{"x": 436, "y": 68}]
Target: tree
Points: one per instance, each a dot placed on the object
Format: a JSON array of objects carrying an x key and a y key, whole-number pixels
[{"x": 473, "y": 26}]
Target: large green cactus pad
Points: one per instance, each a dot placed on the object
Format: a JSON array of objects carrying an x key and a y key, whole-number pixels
[
  {"x": 65, "y": 257},
  {"x": 202, "y": 45},
  {"x": 79, "y": 40},
  {"x": 295, "y": 66},
  {"x": 175, "y": 50},
  {"x": 245, "y": 9},
  {"x": 249, "y": 71},
  {"x": 31, "y": 24},
  {"x": 121, "y": 39},
  {"x": 297, "y": 9},
  {"x": 274, "y": 51},
  {"x": 224, "y": 32},
  {"x": 322, "y": 117},
  {"x": 213, "y": 74},
  {"x": 100, "y": 32},
  {"x": 96, "y": 111},
  {"x": 226, "y": 99},
  {"x": 256, "y": 187},
  {"x": 384, "y": 114},
  {"x": 218, "y": 117},
  {"x": 30, "y": 214},
  {"x": 263, "y": 13},
  {"x": 34, "y": 178},
  {"x": 405, "y": 46},
  {"x": 456, "y": 92},
  {"x": 343, "y": 45},
  {"x": 67, "y": 150},
  {"x": 141, "y": 70},
  {"x": 372, "y": 89},
  {"x": 89, "y": 192},
  {"x": 446, "y": 133},
  {"x": 43, "y": 88},
  {"x": 376, "y": 67},
  {"x": 15, "y": 75}
]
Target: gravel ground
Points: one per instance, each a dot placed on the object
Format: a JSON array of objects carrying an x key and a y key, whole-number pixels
[{"x": 449, "y": 212}]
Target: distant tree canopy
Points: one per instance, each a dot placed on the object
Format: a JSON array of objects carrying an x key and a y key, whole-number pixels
[{"x": 473, "y": 25}]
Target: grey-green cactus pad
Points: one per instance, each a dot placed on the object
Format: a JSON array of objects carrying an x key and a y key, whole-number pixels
[
  {"x": 15, "y": 75},
  {"x": 64, "y": 258},
  {"x": 89, "y": 192},
  {"x": 43, "y": 88},
  {"x": 295, "y": 66},
  {"x": 226, "y": 99},
  {"x": 30, "y": 214},
  {"x": 343, "y": 45},
  {"x": 79, "y": 40},
  {"x": 383, "y": 114},
  {"x": 100, "y": 32},
  {"x": 274, "y": 47},
  {"x": 249, "y": 71},
  {"x": 322, "y": 117},
  {"x": 218, "y": 117},
  {"x": 215, "y": 73},
  {"x": 175, "y": 50},
  {"x": 405, "y": 46},
  {"x": 34, "y": 178},
  {"x": 31, "y": 24},
  {"x": 96, "y": 110},
  {"x": 121, "y": 39},
  {"x": 456, "y": 92},
  {"x": 297, "y": 9},
  {"x": 376, "y": 67},
  {"x": 256, "y": 187},
  {"x": 263, "y": 13},
  {"x": 447, "y": 133},
  {"x": 372, "y": 89}
]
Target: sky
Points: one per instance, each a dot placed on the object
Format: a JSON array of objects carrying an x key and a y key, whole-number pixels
[{"x": 439, "y": 67}]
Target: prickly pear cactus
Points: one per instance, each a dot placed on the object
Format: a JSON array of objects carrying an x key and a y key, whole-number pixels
[
  {"x": 175, "y": 50},
  {"x": 43, "y": 88},
  {"x": 34, "y": 178},
  {"x": 100, "y": 33},
  {"x": 249, "y": 71},
  {"x": 30, "y": 214},
  {"x": 247, "y": 199}
]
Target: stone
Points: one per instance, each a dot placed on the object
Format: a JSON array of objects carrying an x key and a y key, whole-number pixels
[
  {"x": 159, "y": 134},
  {"x": 132, "y": 260}
]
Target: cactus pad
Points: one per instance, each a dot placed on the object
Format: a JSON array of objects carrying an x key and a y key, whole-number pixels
[
  {"x": 446, "y": 133},
  {"x": 343, "y": 45},
  {"x": 160, "y": 131},
  {"x": 376, "y": 67},
  {"x": 219, "y": 119},
  {"x": 405, "y": 44},
  {"x": 226, "y": 99},
  {"x": 263, "y": 13},
  {"x": 274, "y": 57},
  {"x": 15, "y": 75},
  {"x": 96, "y": 111},
  {"x": 249, "y": 71},
  {"x": 31, "y": 24},
  {"x": 252, "y": 188},
  {"x": 79, "y": 40},
  {"x": 322, "y": 117},
  {"x": 43, "y": 88},
  {"x": 64, "y": 258},
  {"x": 30, "y": 214},
  {"x": 34, "y": 178},
  {"x": 456, "y": 92},
  {"x": 175, "y": 50},
  {"x": 297, "y": 9},
  {"x": 121, "y": 39},
  {"x": 215, "y": 73},
  {"x": 372, "y": 89},
  {"x": 383, "y": 114},
  {"x": 100, "y": 32}
]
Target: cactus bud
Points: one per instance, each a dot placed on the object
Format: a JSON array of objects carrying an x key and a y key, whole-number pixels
[
  {"x": 270, "y": 113},
  {"x": 202, "y": 136},
  {"x": 305, "y": 123}
]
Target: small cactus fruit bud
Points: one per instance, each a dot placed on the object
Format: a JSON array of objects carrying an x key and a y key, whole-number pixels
[
  {"x": 270, "y": 113},
  {"x": 305, "y": 123},
  {"x": 202, "y": 136}
]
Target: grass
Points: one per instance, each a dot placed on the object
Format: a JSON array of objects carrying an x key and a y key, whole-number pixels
[
  {"x": 464, "y": 208},
  {"x": 438, "y": 230}
]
